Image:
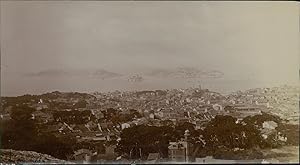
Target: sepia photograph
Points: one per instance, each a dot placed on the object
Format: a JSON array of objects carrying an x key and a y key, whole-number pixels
[{"x": 149, "y": 82}]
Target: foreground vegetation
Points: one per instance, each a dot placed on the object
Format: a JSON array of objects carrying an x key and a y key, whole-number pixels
[{"x": 222, "y": 137}]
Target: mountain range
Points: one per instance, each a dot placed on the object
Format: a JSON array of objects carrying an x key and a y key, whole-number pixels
[
  {"x": 185, "y": 72},
  {"x": 179, "y": 72},
  {"x": 98, "y": 73}
]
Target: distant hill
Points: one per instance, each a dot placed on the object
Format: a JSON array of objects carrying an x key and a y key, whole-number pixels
[
  {"x": 18, "y": 100},
  {"x": 135, "y": 78},
  {"x": 99, "y": 73},
  {"x": 179, "y": 72},
  {"x": 184, "y": 72},
  {"x": 104, "y": 74},
  {"x": 50, "y": 73}
]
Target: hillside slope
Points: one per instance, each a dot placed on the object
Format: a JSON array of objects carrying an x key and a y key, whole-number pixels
[{"x": 13, "y": 156}]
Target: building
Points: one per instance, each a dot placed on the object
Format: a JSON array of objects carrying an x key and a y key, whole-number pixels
[
  {"x": 151, "y": 116},
  {"x": 177, "y": 151},
  {"x": 181, "y": 151},
  {"x": 125, "y": 125}
]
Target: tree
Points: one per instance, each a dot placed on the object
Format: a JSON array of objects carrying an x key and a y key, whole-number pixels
[
  {"x": 291, "y": 132},
  {"x": 135, "y": 113},
  {"x": 81, "y": 104},
  {"x": 224, "y": 132},
  {"x": 138, "y": 141},
  {"x": 258, "y": 120},
  {"x": 109, "y": 113},
  {"x": 19, "y": 133},
  {"x": 22, "y": 133},
  {"x": 59, "y": 147},
  {"x": 254, "y": 124},
  {"x": 22, "y": 113},
  {"x": 180, "y": 128}
]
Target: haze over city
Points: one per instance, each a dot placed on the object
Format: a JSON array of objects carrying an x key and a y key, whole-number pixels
[{"x": 98, "y": 46}]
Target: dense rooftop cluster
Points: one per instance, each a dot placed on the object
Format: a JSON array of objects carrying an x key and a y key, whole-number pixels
[{"x": 96, "y": 121}]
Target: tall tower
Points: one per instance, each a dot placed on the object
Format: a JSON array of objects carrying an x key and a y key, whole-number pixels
[{"x": 187, "y": 147}]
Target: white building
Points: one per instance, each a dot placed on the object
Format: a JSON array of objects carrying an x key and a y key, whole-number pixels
[{"x": 125, "y": 125}]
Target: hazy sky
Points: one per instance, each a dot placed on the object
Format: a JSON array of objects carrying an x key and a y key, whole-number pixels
[{"x": 257, "y": 40}]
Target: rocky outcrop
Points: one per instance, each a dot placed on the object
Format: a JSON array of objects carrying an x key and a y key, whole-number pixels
[{"x": 13, "y": 156}]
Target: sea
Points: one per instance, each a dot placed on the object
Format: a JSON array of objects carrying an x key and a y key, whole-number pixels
[{"x": 15, "y": 86}]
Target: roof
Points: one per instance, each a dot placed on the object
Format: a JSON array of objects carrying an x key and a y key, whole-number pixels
[
  {"x": 99, "y": 138},
  {"x": 81, "y": 127}
]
